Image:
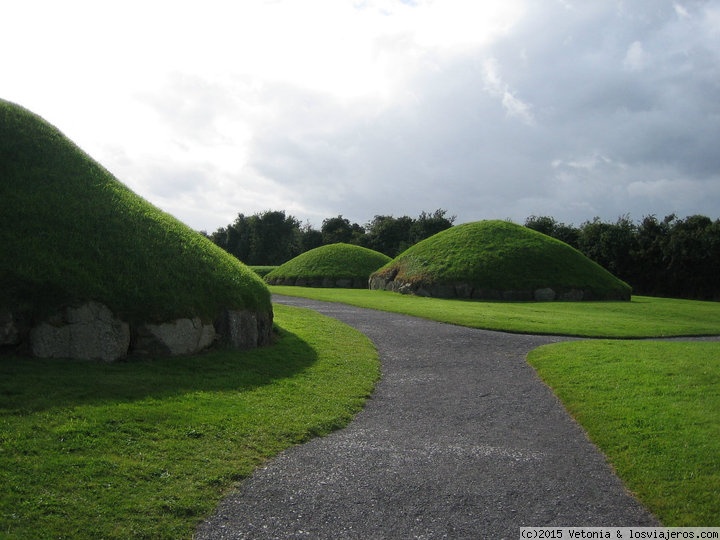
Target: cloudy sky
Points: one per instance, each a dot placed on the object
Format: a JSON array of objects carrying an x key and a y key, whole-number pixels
[{"x": 488, "y": 109}]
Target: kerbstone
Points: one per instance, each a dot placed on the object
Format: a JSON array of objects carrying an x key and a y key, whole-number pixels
[
  {"x": 244, "y": 329},
  {"x": 88, "y": 332},
  {"x": 179, "y": 337},
  {"x": 9, "y": 333},
  {"x": 545, "y": 295}
]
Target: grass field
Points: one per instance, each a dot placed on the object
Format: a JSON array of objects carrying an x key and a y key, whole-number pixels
[
  {"x": 146, "y": 449},
  {"x": 642, "y": 317}
]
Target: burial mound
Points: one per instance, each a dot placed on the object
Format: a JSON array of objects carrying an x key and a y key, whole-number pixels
[
  {"x": 497, "y": 260},
  {"x": 334, "y": 265}
]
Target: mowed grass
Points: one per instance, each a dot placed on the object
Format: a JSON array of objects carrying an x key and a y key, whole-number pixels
[
  {"x": 641, "y": 317},
  {"x": 146, "y": 449},
  {"x": 654, "y": 410}
]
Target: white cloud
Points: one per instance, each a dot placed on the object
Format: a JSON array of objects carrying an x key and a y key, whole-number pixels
[
  {"x": 495, "y": 86},
  {"x": 681, "y": 10},
  {"x": 635, "y": 58}
]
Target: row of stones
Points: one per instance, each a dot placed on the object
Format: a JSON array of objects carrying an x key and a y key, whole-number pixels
[
  {"x": 468, "y": 291},
  {"x": 91, "y": 331},
  {"x": 327, "y": 282}
]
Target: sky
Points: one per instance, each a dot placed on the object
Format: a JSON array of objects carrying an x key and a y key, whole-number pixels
[{"x": 487, "y": 109}]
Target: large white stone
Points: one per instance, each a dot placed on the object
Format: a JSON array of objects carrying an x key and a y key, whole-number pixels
[
  {"x": 89, "y": 332},
  {"x": 182, "y": 336}
]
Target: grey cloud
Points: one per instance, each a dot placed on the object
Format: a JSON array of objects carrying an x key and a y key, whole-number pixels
[{"x": 621, "y": 115}]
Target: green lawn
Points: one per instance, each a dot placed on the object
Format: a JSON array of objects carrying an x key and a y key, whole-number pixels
[
  {"x": 654, "y": 410},
  {"x": 642, "y": 317},
  {"x": 146, "y": 449}
]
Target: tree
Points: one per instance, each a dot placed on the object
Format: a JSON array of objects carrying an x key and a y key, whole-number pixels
[
  {"x": 649, "y": 255},
  {"x": 549, "y": 226},
  {"x": 392, "y": 236},
  {"x": 610, "y": 245},
  {"x": 310, "y": 238},
  {"x": 692, "y": 259},
  {"x": 389, "y": 235},
  {"x": 268, "y": 238},
  {"x": 274, "y": 238},
  {"x": 542, "y": 224},
  {"x": 235, "y": 238},
  {"x": 427, "y": 225},
  {"x": 339, "y": 229}
]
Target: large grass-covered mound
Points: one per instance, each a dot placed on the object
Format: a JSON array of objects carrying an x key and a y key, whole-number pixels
[
  {"x": 71, "y": 232},
  {"x": 498, "y": 260},
  {"x": 334, "y": 265}
]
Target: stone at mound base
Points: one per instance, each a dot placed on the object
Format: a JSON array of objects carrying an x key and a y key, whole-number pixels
[
  {"x": 92, "y": 332},
  {"x": 545, "y": 295},
  {"x": 180, "y": 337},
  {"x": 340, "y": 283},
  {"x": 467, "y": 291},
  {"x": 9, "y": 333},
  {"x": 88, "y": 332},
  {"x": 245, "y": 329}
]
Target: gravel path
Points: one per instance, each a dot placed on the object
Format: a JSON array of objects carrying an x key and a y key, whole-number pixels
[{"x": 460, "y": 440}]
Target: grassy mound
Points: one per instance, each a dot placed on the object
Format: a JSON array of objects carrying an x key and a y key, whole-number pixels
[
  {"x": 71, "y": 232},
  {"x": 498, "y": 260},
  {"x": 334, "y": 265}
]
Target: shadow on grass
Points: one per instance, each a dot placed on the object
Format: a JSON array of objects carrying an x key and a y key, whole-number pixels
[{"x": 30, "y": 384}]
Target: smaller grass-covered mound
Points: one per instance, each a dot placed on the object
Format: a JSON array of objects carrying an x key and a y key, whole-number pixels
[
  {"x": 498, "y": 260},
  {"x": 334, "y": 265}
]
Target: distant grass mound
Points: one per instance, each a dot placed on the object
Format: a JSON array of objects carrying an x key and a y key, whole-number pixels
[
  {"x": 262, "y": 271},
  {"x": 71, "y": 232},
  {"x": 498, "y": 260},
  {"x": 334, "y": 265}
]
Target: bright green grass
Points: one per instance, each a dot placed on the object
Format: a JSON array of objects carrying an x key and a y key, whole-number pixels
[
  {"x": 502, "y": 256},
  {"x": 333, "y": 261},
  {"x": 642, "y": 317},
  {"x": 654, "y": 410},
  {"x": 72, "y": 232},
  {"x": 146, "y": 449}
]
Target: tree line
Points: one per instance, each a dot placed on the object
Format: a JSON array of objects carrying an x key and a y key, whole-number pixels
[
  {"x": 670, "y": 257},
  {"x": 273, "y": 237}
]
